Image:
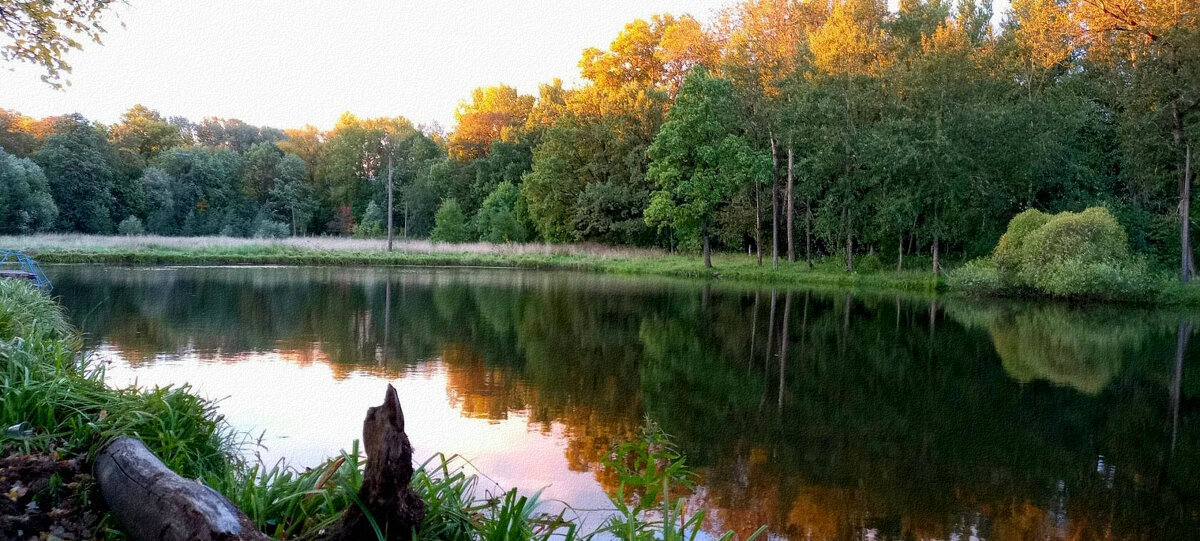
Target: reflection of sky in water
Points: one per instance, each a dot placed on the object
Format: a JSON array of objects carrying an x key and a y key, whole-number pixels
[
  {"x": 889, "y": 419},
  {"x": 307, "y": 415}
]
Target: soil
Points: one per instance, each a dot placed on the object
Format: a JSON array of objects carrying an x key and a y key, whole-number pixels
[{"x": 44, "y": 498}]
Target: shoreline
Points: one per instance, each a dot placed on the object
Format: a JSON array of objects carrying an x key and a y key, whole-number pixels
[
  {"x": 877, "y": 275},
  {"x": 54, "y": 249}
]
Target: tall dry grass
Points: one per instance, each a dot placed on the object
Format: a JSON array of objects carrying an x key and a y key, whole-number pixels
[{"x": 76, "y": 242}]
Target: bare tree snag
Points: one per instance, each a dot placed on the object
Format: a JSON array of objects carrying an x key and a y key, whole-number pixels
[
  {"x": 155, "y": 503},
  {"x": 395, "y": 509}
]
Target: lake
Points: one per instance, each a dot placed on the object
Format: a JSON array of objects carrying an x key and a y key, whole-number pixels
[{"x": 822, "y": 414}]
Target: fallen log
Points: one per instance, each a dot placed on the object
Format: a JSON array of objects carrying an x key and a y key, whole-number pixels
[
  {"x": 389, "y": 504},
  {"x": 155, "y": 503}
]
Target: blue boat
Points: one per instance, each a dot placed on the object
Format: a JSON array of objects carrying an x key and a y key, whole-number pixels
[{"x": 19, "y": 266}]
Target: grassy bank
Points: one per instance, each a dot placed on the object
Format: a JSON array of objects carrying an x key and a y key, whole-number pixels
[
  {"x": 58, "y": 410},
  {"x": 872, "y": 273},
  {"x": 337, "y": 251}
]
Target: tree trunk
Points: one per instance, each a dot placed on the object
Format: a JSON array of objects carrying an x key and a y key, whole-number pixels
[
  {"x": 849, "y": 241},
  {"x": 808, "y": 218},
  {"x": 707, "y": 245},
  {"x": 757, "y": 222},
  {"x": 937, "y": 265},
  {"x": 789, "y": 207},
  {"x": 154, "y": 503},
  {"x": 774, "y": 206},
  {"x": 389, "y": 504},
  {"x": 900, "y": 253},
  {"x": 1188, "y": 267},
  {"x": 389, "y": 190}
]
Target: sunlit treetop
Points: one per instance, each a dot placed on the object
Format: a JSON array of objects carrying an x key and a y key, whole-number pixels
[
  {"x": 494, "y": 113},
  {"x": 655, "y": 53},
  {"x": 41, "y": 32},
  {"x": 142, "y": 134},
  {"x": 852, "y": 41},
  {"x": 766, "y": 40}
]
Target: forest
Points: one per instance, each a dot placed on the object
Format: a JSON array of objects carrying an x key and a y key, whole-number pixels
[{"x": 788, "y": 129}]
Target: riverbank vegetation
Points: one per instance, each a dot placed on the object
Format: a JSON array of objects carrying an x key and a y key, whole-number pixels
[
  {"x": 844, "y": 130},
  {"x": 1067, "y": 255},
  {"x": 57, "y": 408},
  {"x": 872, "y": 272}
]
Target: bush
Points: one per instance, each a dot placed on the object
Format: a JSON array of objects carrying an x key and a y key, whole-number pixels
[
  {"x": 1069, "y": 254},
  {"x": 497, "y": 219},
  {"x": 131, "y": 226},
  {"x": 979, "y": 277},
  {"x": 271, "y": 229},
  {"x": 1007, "y": 254},
  {"x": 450, "y": 224},
  {"x": 372, "y": 222}
]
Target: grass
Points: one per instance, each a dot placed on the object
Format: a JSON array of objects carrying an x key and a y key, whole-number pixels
[
  {"x": 147, "y": 250},
  {"x": 56, "y": 402}
]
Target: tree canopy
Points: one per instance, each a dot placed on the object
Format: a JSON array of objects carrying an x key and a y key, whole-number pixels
[{"x": 842, "y": 129}]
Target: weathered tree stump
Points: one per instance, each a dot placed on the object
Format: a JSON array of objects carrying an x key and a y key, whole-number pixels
[
  {"x": 385, "y": 494},
  {"x": 155, "y": 503}
]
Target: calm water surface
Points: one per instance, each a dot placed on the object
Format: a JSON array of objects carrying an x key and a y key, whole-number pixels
[{"x": 823, "y": 415}]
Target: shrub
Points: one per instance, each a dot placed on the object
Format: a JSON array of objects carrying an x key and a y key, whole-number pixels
[
  {"x": 1008, "y": 251},
  {"x": 271, "y": 229},
  {"x": 131, "y": 226},
  {"x": 450, "y": 224},
  {"x": 372, "y": 222},
  {"x": 979, "y": 277},
  {"x": 1069, "y": 254},
  {"x": 497, "y": 218}
]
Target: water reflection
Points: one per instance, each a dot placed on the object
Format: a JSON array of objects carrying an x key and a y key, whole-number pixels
[{"x": 824, "y": 415}]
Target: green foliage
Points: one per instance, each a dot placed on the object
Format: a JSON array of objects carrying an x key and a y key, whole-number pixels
[
  {"x": 78, "y": 164},
  {"x": 698, "y": 164},
  {"x": 142, "y": 135},
  {"x": 450, "y": 224},
  {"x": 131, "y": 226},
  {"x": 271, "y": 229},
  {"x": 372, "y": 223},
  {"x": 291, "y": 196},
  {"x": 1074, "y": 255},
  {"x": 978, "y": 276},
  {"x": 1010, "y": 251},
  {"x": 25, "y": 202},
  {"x": 497, "y": 220},
  {"x": 259, "y": 170},
  {"x": 603, "y": 143},
  {"x": 650, "y": 497},
  {"x": 200, "y": 193},
  {"x": 881, "y": 128},
  {"x": 41, "y": 33},
  {"x": 46, "y": 385}
]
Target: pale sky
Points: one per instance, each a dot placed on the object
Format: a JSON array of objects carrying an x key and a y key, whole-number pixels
[{"x": 288, "y": 63}]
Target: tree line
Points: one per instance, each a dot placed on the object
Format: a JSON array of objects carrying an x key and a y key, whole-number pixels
[{"x": 796, "y": 129}]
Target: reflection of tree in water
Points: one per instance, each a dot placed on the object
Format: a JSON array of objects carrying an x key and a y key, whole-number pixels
[
  {"x": 880, "y": 416},
  {"x": 1076, "y": 347}
]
